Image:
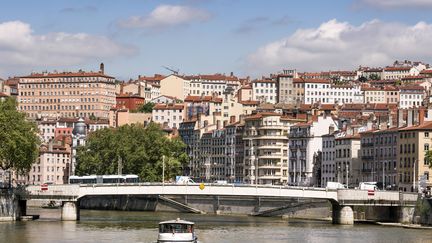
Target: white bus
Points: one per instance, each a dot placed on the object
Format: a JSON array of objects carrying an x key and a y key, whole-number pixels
[{"x": 103, "y": 179}]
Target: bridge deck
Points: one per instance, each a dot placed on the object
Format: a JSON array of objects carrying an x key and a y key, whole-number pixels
[{"x": 343, "y": 197}]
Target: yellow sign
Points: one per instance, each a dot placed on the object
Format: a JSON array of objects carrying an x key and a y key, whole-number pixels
[{"x": 202, "y": 186}]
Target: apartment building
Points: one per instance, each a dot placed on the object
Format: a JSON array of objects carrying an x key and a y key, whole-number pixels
[
  {"x": 170, "y": 115},
  {"x": 305, "y": 140},
  {"x": 264, "y": 90},
  {"x": 328, "y": 165},
  {"x": 285, "y": 87},
  {"x": 52, "y": 166},
  {"x": 212, "y": 84},
  {"x": 411, "y": 96},
  {"x": 66, "y": 94},
  {"x": 129, "y": 101},
  {"x": 347, "y": 161},
  {"x": 413, "y": 166},
  {"x": 175, "y": 86},
  {"x": 266, "y": 148}
]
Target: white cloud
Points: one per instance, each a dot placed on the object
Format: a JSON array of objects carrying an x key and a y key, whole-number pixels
[
  {"x": 21, "y": 48},
  {"x": 385, "y": 4},
  {"x": 340, "y": 45},
  {"x": 167, "y": 16}
]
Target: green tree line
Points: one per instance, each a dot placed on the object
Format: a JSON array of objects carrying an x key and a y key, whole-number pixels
[
  {"x": 19, "y": 142},
  {"x": 139, "y": 148}
]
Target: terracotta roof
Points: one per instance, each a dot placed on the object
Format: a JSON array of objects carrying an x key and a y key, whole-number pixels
[
  {"x": 316, "y": 80},
  {"x": 425, "y": 126},
  {"x": 216, "y": 76},
  {"x": 66, "y": 74},
  {"x": 412, "y": 77},
  {"x": 129, "y": 96},
  {"x": 426, "y": 71},
  {"x": 411, "y": 87},
  {"x": 156, "y": 77},
  {"x": 261, "y": 115},
  {"x": 163, "y": 106},
  {"x": 397, "y": 69},
  {"x": 208, "y": 98},
  {"x": 3, "y": 95},
  {"x": 373, "y": 70},
  {"x": 249, "y": 102},
  {"x": 263, "y": 81}
]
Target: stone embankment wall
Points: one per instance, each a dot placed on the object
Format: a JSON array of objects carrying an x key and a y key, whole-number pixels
[
  {"x": 423, "y": 212},
  {"x": 9, "y": 206}
]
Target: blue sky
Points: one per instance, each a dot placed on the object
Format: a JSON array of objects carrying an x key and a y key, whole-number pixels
[{"x": 246, "y": 37}]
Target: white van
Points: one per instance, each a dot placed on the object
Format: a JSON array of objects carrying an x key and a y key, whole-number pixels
[
  {"x": 184, "y": 180},
  {"x": 368, "y": 186},
  {"x": 334, "y": 185}
]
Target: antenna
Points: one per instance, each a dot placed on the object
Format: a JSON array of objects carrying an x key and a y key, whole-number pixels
[{"x": 175, "y": 71}]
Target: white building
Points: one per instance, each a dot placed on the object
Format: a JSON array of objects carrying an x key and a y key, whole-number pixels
[
  {"x": 170, "y": 115},
  {"x": 411, "y": 96},
  {"x": 347, "y": 159},
  {"x": 47, "y": 130},
  {"x": 305, "y": 142},
  {"x": 328, "y": 159},
  {"x": 264, "y": 91},
  {"x": 212, "y": 84},
  {"x": 320, "y": 90}
]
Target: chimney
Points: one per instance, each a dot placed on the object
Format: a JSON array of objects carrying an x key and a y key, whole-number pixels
[
  {"x": 409, "y": 118},
  {"x": 390, "y": 120},
  {"x": 232, "y": 74},
  {"x": 102, "y": 68},
  {"x": 421, "y": 116},
  {"x": 400, "y": 114}
]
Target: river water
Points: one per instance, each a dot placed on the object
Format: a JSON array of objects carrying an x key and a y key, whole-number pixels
[{"x": 119, "y": 226}]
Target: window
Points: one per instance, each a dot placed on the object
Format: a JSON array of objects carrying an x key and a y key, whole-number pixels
[
  {"x": 426, "y": 134},
  {"x": 426, "y": 147}
]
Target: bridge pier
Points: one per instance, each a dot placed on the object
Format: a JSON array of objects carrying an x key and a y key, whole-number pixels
[
  {"x": 70, "y": 211},
  {"x": 342, "y": 214}
]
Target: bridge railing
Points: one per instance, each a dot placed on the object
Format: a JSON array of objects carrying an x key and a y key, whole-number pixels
[
  {"x": 53, "y": 191},
  {"x": 363, "y": 197}
]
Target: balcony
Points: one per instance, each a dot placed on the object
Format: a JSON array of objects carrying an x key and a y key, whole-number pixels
[
  {"x": 270, "y": 156},
  {"x": 367, "y": 144},
  {"x": 366, "y": 170},
  {"x": 367, "y": 157},
  {"x": 300, "y": 135}
]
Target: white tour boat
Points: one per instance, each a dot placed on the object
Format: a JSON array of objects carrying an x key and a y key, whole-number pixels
[{"x": 176, "y": 231}]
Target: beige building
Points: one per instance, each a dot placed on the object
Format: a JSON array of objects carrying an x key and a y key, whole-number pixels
[
  {"x": 413, "y": 143},
  {"x": 52, "y": 166},
  {"x": 266, "y": 149},
  {"x": 285, "y": 83},
  {"x": 67, "y": 94},
  {"x": 176, "y": 86},
  {"x": 120, "y": 117}
]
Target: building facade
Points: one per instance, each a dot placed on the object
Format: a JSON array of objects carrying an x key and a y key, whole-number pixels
[{"x": 80, "y": 94}]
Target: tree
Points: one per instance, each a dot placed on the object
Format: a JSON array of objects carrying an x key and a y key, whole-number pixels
[
  {"x": 19, "y": 141},
  {"x": 140, "y": 148},
  {"x": 374, "y": 76},
  {"x": 146, "y": 108}
]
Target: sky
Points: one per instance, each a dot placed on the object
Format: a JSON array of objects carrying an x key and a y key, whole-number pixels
[{"x": 247, "y": 37}]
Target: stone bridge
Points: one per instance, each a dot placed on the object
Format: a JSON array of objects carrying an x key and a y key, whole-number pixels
[{"x": 342, "y": 200}]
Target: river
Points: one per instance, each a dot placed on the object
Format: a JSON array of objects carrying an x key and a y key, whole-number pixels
[{"x": 120, "y": 226}]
